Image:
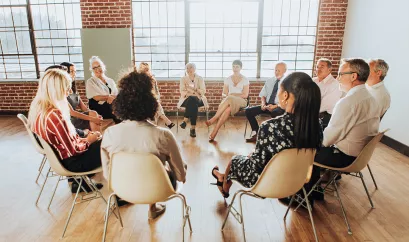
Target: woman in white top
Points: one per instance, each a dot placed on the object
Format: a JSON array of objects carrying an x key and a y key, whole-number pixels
[
  {"x": 235, "y": 94},
  {"x": 101, "y": 90},
  {"x": 136, "y": 104},
  {"x": 145, "y": 68},
  {"x": 192, "y": 90}
]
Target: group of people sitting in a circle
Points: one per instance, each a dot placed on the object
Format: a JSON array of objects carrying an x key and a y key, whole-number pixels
[{"x": 348, "y": 109}]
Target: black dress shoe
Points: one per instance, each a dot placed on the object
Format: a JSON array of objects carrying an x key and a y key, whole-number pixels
[
  {"x": 183, "y": 125},
  {"x": 252, "y": 139},
  {"x": 170, "y": 126},
  {"x": 122, "y": 202},
  {"x": 74, "y": 187},
  {"x": 192, "y": 133}
]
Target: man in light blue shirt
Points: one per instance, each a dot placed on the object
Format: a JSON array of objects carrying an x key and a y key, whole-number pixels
[{"x": 269, "y": 100}]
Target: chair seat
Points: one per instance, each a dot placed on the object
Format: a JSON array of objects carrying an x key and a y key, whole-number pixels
[
  {"x": 343, "y": 169},
  {"x": 97, "y": 170}
]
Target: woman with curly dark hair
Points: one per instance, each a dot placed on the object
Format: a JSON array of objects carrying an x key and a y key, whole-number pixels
[{"x": 135, "y": 105}]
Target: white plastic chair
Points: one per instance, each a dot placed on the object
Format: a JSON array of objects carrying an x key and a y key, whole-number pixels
[
  {"x": 58, "y": 169},
  {"x": 354, "y": 170},
  {"x": 141, "y": 178},
  {"x": 35, "y": 143},
  {"x": 285, "y": 174}
]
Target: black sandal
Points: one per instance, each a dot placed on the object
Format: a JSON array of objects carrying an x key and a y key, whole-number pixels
[{"x": 219, "y": 183}]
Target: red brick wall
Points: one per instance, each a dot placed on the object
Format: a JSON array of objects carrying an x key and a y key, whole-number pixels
[
  {"x": 106, "y": 14},
  {"x": 16, "y": 97},
  {"x": 330, "y": 34}
]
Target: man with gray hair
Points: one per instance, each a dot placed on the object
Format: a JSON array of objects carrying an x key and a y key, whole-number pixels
[
  {"x": 354, "y": 122},
  {"x": 269, "y": 100},
  {"x": 330, "y": 93},
  {"x": 375, "y": 85}
]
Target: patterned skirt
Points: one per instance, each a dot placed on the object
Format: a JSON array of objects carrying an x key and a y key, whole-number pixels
[{"x": 244, "y": 171}]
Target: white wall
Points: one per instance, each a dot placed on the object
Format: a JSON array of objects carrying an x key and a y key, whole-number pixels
[{"x": 380, "y": 29}]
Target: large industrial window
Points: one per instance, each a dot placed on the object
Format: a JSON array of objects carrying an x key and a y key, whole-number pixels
[
  {"x": 170, "y": 33},
  {"x": 38, "y": 33}
]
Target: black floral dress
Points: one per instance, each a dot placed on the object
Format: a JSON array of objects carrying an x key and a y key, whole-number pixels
[{"x": 273, "y": 136}]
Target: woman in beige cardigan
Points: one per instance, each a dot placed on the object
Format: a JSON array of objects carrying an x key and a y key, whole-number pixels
[{"x": 192, "y": 90}]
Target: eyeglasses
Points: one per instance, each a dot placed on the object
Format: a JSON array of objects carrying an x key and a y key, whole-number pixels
[
  {"x": 345, "y": 73},
  {"x": 97, "y": 67}
]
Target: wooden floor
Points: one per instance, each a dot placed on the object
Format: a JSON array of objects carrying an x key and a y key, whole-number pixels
[{"x": 22, "y": 220}]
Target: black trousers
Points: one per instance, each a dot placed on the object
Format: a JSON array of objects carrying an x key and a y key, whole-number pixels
[
  {"x": 325, "y": 117},
  {"x": 105, "y": 110},
  {"x": 329, "y": 156},
  {"x": 87, "y": 161},
  {"x": 192, "y": 105},
  {"x": 253, "y": 112}
]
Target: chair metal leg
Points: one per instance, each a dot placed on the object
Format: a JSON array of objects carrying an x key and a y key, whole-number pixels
[
  {"x": 309, "y": 211},
  {"x": 40, "y": 169},
  {"x": 230, "y": 207},
  {"x": 55, "y": 189},
  {"x": 207, "y": 118},
  {"x": 119, "y": 213},
  {"x": 245, "y": 129},
  {"x": 42, "y": 187},
  {"x": 242, "y": 217},
  {"x": 366, "y": 189},
  {"x": 107, "y": 216},
  {"x": 289, "y": 206},
  {"x": 342, "y": 207},
  {"x": 373, "y": 178},
  {"x": 177, "y": 121},
  {"x": 72, "y": 207}
]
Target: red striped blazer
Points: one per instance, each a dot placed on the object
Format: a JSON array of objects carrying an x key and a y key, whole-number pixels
[{"x": 56, "y": 133}]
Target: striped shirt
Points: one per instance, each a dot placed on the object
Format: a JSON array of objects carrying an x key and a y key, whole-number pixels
[{"x": 56, "y": 133}]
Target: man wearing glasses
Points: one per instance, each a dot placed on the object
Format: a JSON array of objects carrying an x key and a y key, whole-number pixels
[
  {"x": 354, "y": 122},
  {"x": 330, "y": 93}
]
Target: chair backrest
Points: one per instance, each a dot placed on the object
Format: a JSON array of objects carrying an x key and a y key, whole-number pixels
[
  {"x": 139, "y": 178},
  {"x": 365, "y": 156},
  {"x": 53, "y": 159},
  {"x": 285, "y": 173},
  {"x": 33, "y": 137}
]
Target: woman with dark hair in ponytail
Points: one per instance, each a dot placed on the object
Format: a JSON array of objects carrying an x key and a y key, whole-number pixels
[{"x": 298, "y": 127}]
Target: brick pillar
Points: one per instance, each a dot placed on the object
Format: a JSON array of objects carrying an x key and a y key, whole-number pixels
[
  {"x": 330, "y": 34},
  {"x": 106, "y": 14}
]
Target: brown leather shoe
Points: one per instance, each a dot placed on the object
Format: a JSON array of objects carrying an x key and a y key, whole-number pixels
[{"x": 252, "y": 139}]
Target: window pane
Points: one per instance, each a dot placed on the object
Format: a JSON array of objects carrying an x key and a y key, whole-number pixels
[
  {"x": 289, "y": 30},
  {"x": 57, "y": 32},
  {"x": 159, "y": 36}
]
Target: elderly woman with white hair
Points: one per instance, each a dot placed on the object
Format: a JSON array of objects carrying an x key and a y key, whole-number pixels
[
  {"x": 192, "y": 96},
  {"x": 101, "y": 90}
]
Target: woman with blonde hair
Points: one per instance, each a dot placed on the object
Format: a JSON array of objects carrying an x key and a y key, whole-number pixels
[
  {"x": 192, "y": 96},
  {"x": 49, "y": 118},
  {"x": 145, "y": 68},
  {"x": 101, "y": 90}
]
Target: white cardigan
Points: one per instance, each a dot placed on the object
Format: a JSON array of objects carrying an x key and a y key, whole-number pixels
[
  {"x": 95, "y": 87},
  {"x": 184, "y": 92}
]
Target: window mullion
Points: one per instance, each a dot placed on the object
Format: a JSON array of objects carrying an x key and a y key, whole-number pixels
[{"x": 259, "y": 35}]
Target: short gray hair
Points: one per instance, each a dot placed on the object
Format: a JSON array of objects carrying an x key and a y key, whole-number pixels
[
  {"x": 282, "y": 63},
  {"x": 380, "y": 65},
  {"x": 359, "y": 66},
  {"x": 190, "y": 64},
  {"x": 326, "y": 60},
  {"x": 94, "y": 59}
]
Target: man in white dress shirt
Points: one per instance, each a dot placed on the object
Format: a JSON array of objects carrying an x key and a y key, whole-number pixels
[
  {"x": 375, "y": 85},
  {"x": 269, "y": 100},
  {"x": 330, "y": 93},
  {"x": 354, "y": 122}
]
